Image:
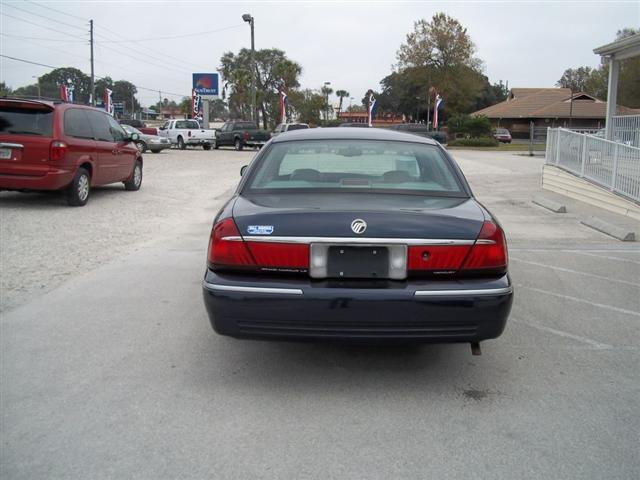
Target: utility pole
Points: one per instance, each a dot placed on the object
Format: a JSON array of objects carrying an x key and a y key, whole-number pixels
[
  {"x": 93, "y": 87},
  {"x": 254, "y": 113}
]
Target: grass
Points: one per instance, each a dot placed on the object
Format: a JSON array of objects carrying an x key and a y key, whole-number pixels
[{"x": 506, "y": 147}]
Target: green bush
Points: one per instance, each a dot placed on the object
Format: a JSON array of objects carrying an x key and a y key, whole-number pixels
[
  {"x": 474, "y": 142},
  {"x": 474, "y": 127}
]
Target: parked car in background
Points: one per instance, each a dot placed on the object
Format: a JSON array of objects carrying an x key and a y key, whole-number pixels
[
  {"x": 363, "y": 235},
  {"x": 154, "y": 143},
  {"x": 421, "y": 130},
  {"x": 140, "y": 125},
  {"x": 354, "y": 124},
  {"x": 288, "y": 127},
  {"x": 62, "y": 146},
  {"x": 502, "y": 135},
  {"x": 240, "y": 134},
  {"x": 187, "y": 132}
]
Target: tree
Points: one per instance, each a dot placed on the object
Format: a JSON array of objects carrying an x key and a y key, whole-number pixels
[
  {"x": 306, "y": 105},
  {"x": 341, "y": 94},
  {"x": 437, "y": 54},
  {"x": 575, "y": 78},
  {"x": 326, "y": 91},
  {"x": 185, "y": 106},
  {"x": 274, "y": 73},
  {"x": 443, "y": 42},
  {"x": 218, "y": 109},
  {"x": 50, "y": 83},
  {"x": 124, "y": 91},
  {"x": 5, "y": 90}
]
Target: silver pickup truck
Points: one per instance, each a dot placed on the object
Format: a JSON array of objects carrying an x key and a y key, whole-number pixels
[{"x": 187, "y": 132}]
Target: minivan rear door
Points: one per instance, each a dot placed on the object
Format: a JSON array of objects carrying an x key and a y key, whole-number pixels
[{"x": 26, "y": 131}]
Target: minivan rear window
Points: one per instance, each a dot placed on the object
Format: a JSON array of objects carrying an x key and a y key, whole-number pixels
[{"x": 26, "y": 121}]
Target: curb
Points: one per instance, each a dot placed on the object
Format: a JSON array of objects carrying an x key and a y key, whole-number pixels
[
  {"x": 620, "y": 233},
  {"x": 549, "y": 204}
]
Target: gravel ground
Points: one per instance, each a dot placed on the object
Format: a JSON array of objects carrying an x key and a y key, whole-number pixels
[{"x": 43, "y": 242}]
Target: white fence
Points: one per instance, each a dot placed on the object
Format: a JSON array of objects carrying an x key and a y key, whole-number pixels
[
  {"x": 626, "y": 129},
  {"x": 612, "y": 165}
]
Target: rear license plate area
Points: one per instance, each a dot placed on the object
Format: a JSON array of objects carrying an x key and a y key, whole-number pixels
[{"x": 357, "y": 262}]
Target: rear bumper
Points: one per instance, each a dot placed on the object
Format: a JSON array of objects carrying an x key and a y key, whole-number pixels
[
  {"x": 199, "y": 141},
  {"x": 385, "y": 311},
  {"x": 49, "y": 178},
  {"x": 255, "y": 143}
]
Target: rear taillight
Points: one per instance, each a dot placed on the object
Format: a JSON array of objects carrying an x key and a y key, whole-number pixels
[
  {"x": 57, "y": 150},
  {"x": 245, "y": 135},
  {"x": 227, "y": 250},
  {"x": 489, "y": 253},
  {"x": 436, "y": 258}
]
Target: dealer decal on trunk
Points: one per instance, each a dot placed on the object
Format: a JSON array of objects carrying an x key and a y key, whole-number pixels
[{"x": 260, "y": 229}]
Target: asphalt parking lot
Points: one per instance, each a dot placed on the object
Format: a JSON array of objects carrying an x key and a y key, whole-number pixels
[{"x": 110, "y": 369}]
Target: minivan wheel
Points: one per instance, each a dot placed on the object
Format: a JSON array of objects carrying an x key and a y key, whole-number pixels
[
  {"x": 238, "y": 144},
  {"x": 135, "y": 181},
  {"x": 181, "y": 144},
  {"x": 78, "y": 193}
]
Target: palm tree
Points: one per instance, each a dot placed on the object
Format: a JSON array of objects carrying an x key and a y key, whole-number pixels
[{"x": 341, "y": 94}]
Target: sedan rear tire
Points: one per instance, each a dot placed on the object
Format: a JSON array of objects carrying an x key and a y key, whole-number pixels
[{"x": 142, "y": 147}]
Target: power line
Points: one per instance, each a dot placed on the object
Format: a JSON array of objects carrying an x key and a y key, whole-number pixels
[
  {"x": 59, "y": 11},
  {"x": 42, "y": 16},
  {"x": 50, "y": 47},
  {"x": 39, "y": 25},
  {"x": 42, "y": 38},
  {"x": 98, "y": 77},
  {"x": 153, "y": 39},
  {"x": 27, "y": 61}
]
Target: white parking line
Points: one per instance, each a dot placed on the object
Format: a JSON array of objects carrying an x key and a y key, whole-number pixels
[
  {"x": 581, "y": 300},
  {"x": 593, "y": 343},
  {"x": 568, "y": 270},
  {"x": 589, "y": 252}
]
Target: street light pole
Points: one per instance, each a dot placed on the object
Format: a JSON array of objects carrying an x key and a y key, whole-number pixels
[
  {"x": 38, "y": 79},
  {"x": 326, "y": 95},
  {"x": 254, "y": 113}
]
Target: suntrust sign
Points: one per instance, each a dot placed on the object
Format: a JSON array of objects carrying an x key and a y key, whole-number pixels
[{"x": 206, "y": 85}]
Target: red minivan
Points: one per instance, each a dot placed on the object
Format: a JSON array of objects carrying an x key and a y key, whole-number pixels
[{"x": 61, "y": 146}]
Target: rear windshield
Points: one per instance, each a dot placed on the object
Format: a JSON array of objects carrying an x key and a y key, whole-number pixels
[
  {"x": 26, "y": 121},
  {"x": 189, "y": 124},
  {"x": 502, "y": 131},
  {"x": 246, "y": 126},
  {"x": 355, "y": 165}
]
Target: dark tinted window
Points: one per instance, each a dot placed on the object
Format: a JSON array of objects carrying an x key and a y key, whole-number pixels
[
  {"x": 76, "y": 124},
  {"x": 117, "y": 133},
  {"x": 100, "y": 126},
  {"x": 188, "y": 124},
  {"x": 245, "y": 126},
  {"x": 297, "y": 126},
  {"x": 26, "y": 121},
  {"x": 356, "y": 165}
]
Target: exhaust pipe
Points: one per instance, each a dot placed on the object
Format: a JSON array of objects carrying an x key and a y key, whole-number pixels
[{"x": 475, "y": 348}]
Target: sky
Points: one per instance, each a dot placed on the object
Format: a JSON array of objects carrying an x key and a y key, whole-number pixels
[{"x": 353, "y": 44}]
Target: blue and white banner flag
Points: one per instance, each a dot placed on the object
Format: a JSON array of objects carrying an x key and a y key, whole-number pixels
[
  {"x": 283, "y": 107},
  {"x": 439, "y": 103},
  {"x": 373, "y": 105}
]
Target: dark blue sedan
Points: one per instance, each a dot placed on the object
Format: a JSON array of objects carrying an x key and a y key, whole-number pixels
[{"x": 358, "y": 235}]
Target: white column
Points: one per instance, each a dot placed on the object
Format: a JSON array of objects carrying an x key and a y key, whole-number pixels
[{"x": 612, "y": 94}]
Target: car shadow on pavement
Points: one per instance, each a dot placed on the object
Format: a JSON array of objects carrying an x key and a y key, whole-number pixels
[{"x": 53, "y": 199}]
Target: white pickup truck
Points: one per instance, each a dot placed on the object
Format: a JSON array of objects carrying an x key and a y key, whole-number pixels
[{"x": 187, "y": 132}]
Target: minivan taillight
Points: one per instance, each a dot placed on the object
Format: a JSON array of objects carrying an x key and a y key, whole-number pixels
[
  {"x": 228, "y": 250},
  {"x": 489, "y": 253},
  {"x": 57, "y": 150}
]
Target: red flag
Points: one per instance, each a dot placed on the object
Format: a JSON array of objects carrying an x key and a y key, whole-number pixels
[{"x": 64, "y": 94}]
